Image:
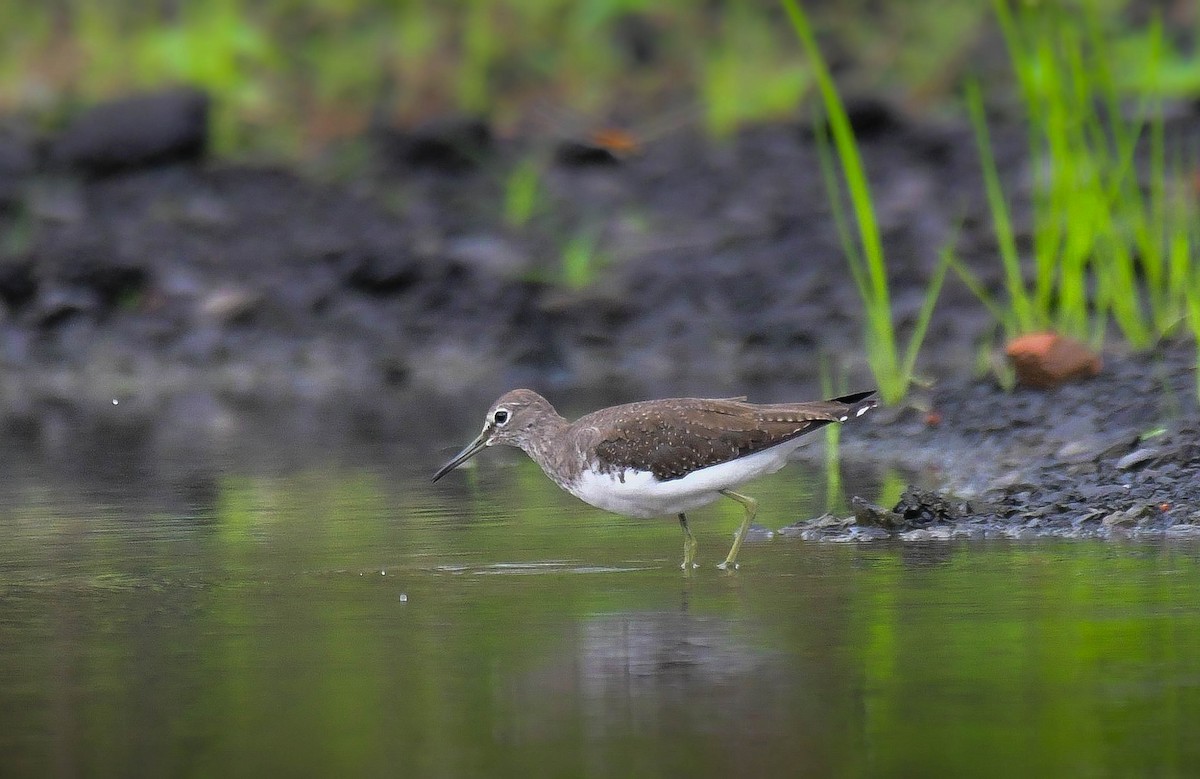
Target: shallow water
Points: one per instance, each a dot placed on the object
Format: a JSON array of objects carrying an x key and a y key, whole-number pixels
[{"x": 352, "y": 619}]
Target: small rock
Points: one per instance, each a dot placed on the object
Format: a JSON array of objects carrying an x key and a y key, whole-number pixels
[
  {"x": 1136, "y": 458},
  {"x": 136, "y": 131},
  {"x": 578, "y": 154},
  {"x": 60, "y": 304},
  {"x": 1094, "y": 517},
  {"x": 1089, "y": 448},
  {"x": 1134, "y": 515},
  {"x": 1115, "y": 519},
  {"x": 824, "y": 522},
  {"x": 857, "y": 533},
  {"x": 924, "y": 507},
  {"x": 489, "y": 252},
  {"x": 230, "y": 305},
  {"x": 939, "y": 533},
  {"x": 379, "y": 272},
  {"x": 451, "y": 144},
  {"x": 870, "y": 515},
  {"x": 1183, "y": 531},
  {"x": 1075, "y": 451},
  {"x": 1097, "y": 492},
  {"x": 1121, "y": 443}
]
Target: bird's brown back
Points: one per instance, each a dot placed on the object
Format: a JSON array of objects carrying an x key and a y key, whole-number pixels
[{"x": 671, "y": 438}]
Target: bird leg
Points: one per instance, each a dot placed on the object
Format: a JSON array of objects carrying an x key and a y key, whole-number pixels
[
  {"x": 751, "y": 506},
  {"x": 689, "y": 544}
]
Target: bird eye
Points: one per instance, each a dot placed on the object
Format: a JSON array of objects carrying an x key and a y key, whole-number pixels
[{"x": 500, "y": 417}]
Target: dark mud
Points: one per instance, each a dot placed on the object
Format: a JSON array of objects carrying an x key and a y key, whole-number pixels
[
  {"x": 1114, "y": 457},
  {"x": 393, "y": 300}
]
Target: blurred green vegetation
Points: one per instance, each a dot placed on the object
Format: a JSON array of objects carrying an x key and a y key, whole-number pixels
[
  {"x": 1112, "y": 239},
  {"x": 1115, "y": 215},
  {"x": 863, "y": 248},
  {"x": 291, "y": 74}
]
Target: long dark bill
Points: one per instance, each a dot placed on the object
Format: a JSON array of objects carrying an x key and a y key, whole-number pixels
[{"x": 466, "y": 454}]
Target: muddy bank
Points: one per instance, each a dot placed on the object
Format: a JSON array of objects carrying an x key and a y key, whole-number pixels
[
  {"x": 1116, "y": 456},
  {"x": 710, "y": 263}
]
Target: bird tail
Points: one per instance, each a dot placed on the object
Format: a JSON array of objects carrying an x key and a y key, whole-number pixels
[{"x": 857, "y": 404}]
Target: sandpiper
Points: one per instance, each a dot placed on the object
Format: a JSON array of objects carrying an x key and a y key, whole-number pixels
[{"x": 659, "y": 457}]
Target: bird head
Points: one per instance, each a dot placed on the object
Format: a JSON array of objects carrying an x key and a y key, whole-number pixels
[{"x": 510, "y": 421}]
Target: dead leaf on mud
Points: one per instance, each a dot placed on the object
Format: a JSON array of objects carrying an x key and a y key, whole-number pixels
[{"x": 1048, "y": 360}]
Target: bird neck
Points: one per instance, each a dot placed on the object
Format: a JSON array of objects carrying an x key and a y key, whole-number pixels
[{"x": 550, "y": 450}]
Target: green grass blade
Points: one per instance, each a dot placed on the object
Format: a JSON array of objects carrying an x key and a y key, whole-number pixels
[
  {"x": 976, "y": 287},
  {"x": 927, "y": 305},
  {"x": 1023, "y": 315},
  {"x": 881, "y": 340},
  {"x": 837, "y": 208}
]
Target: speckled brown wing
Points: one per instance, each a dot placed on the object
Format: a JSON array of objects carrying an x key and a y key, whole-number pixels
[{"x": 672, "y": 438}]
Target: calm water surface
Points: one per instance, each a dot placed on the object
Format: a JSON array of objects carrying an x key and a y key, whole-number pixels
[{"x": 354, "y": 620}]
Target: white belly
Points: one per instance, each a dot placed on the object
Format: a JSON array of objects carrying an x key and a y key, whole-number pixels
[{"x": 640, "y": 494}]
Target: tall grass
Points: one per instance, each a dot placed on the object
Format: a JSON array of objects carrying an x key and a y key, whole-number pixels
[
  {"x": 1109, "y": 247},
  {"x": 862, "y": 246}
]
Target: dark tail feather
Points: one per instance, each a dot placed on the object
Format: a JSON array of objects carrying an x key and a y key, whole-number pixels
[{"x": 857, "y": 404}]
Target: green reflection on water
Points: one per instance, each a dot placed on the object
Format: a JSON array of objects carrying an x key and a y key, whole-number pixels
[{"x": 266, "y": 634}]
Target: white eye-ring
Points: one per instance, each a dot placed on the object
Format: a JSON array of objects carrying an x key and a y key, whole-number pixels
[{"x": 500, "y": 417}]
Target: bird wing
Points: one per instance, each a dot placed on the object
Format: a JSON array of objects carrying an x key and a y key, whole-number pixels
[{"x": 671, "y": 440}]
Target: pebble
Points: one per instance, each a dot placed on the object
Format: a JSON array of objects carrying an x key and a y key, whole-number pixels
[
  {"x": 1127, "y": 518},
  {"x": 1136, "y": 458},
  {"x": 230, "y": 304}
]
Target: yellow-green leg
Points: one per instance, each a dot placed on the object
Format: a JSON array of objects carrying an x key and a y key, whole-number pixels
[
  {"x": 689, "y": 545},
  {"x": 751, "y": 506}
]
